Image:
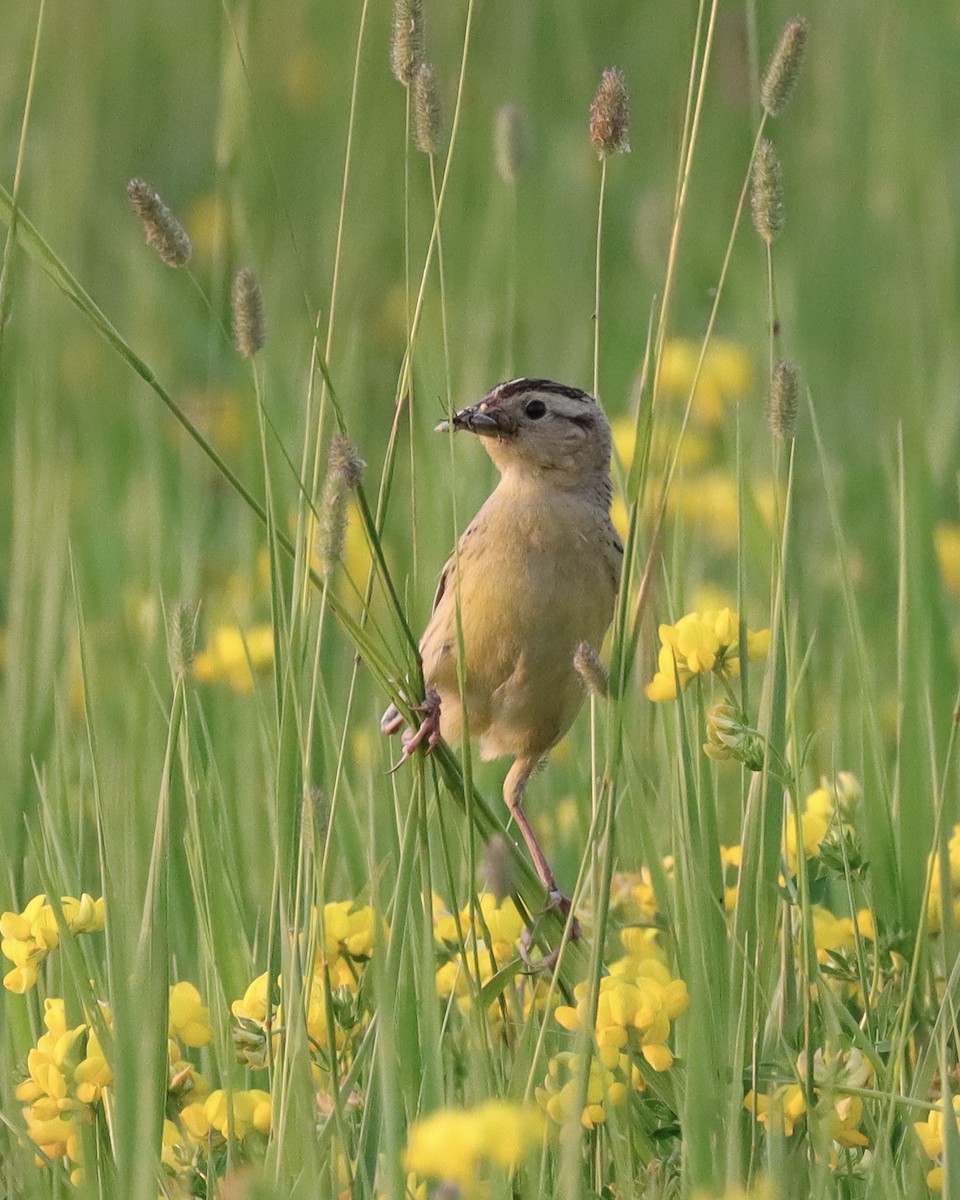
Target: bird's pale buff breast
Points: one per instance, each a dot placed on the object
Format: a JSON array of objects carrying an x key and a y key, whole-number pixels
[{"x": 540, "y": 569}]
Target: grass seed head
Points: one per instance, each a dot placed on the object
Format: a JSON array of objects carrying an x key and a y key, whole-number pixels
[
  {"x": 249, "y": 328},
  {"x": 610, "y": 115},
  {"x": 783, "y": 69},
  {"x": 499, "y": 870},
  {"x": 344, "y": 471},
  {"x": 181, "y": 638},
  {"x": 766, "y": 193},
  {"x": 510, "y": 142},
  {"x": 587, "y": 664},
  {"x": 782, "y": 401},
  {"x": 406, "y": 44},
  {"x": 427, "y": 112},
  {"x": 161, "y": 228}
]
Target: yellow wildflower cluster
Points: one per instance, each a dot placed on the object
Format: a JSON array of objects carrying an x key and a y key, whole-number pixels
[
  {"x": 931, "y": 1135},
  {"x": 832, "y": 803},
  {"x": 632, "y": 896},
  {"x": 233, "y": 655},
  {"x": 346, "y": 938},
  {"x": 606, "y": 1088},
  {"x": 491, "y": 939},
  {"x": 704, "y": 493},
  {"x": 839, "y": 797},
  {"x": 460, "y": 1146},
  {"x": 29, "y": 936},
  {"x": 636, "y": 1003},
  {"x": 937, "y": 889},
  {"x": 726, "y": 376},
  {"x": 701, "y": 643},
  {"x": 221, "y": 1111},
  {"x": 837, "y": 1116},
  {"x": 66, "y": 1075}
]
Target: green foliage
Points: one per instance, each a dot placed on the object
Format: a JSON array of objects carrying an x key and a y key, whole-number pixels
[{"x": 226, "y": 798}]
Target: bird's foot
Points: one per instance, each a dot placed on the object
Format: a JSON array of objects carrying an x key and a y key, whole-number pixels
[
  {"x": 426, "y": 737},
  {"x": 559, "y": 903}
]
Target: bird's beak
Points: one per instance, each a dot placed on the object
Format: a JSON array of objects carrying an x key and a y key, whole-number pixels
[{"x": 478, "y": 418}]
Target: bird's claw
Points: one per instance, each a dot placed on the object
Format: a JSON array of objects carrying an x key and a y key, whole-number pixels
[
  {"x": 425, "y": 737},
  {"x": 559, "y": 903}
]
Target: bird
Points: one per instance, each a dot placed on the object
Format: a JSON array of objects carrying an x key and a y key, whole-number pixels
[{"x": 534, "y": 575}]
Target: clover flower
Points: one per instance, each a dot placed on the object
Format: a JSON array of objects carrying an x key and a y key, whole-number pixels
[{"x": 699, "y": 644}]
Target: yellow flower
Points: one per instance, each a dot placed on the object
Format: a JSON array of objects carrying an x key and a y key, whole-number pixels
[
  {"x": 605, "y": 1088},
  {"x": 189, "y": 1019},
  {"x": 458, "y": 1144},
  {"x": 253, "y": 1005},
  {"x": 232, "y": 656},
  {"x": 238, "y": 1112},
  {"x": 636, "y": 1003},
  {"x": 28, "y": 937},
  {"x": 725, "y": 376},
  {"x": 504, "y": 924},
  {"x": 831, "y": 932},
  {"x": 780, "y": 1111},
  {"x": 946, "y": 540},
  {"x": 348, "y": 932},
  {"x": 93, "y": 1073},
  {"x": 930, "y": 1133},
  {"x": 701, "y": 643},
  {"x": 445, "y": 924}
]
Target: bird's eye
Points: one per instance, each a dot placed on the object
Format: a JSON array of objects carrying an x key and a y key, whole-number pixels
[{"x": 535, "y": 409}]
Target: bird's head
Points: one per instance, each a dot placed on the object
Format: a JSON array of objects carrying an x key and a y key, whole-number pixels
[{"x": 536, "y": 426}]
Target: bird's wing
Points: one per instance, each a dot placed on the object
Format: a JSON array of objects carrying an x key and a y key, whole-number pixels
[{"x": 445, "y": 575}]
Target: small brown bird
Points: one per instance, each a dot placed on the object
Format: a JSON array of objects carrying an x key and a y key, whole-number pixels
[{"x": 535, "y": 574}]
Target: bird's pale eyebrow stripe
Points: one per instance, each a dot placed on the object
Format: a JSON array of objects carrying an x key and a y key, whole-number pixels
[{"x": 514, "y": 386}]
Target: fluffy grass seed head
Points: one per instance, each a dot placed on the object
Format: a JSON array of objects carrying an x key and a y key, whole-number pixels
[
  {"x": 181, "y": 638},
  {"x": 610, "y": 115},
  {"x": 427, "y": 111},
  {"x": 406, "y": 43},
  {"x": 587, "y": 664},
  {"x": 510, "y": 142},
  {"x": 766, "y": 192},
  {"x": 246, "y": 304},
  {"x": 782, "y": 401},
  {"x": 344, "y": 471},
  {"x": 499, "y": 869},
  {"x": 161, "y": 228},
  {"x": 783, "y": 69}
]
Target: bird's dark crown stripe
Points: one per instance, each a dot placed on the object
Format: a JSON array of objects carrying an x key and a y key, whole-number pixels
[{"x": 513, "y": 387}]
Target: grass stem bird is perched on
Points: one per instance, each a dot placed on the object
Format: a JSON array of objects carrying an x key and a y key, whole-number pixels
[{"x": 535, "y": 574}]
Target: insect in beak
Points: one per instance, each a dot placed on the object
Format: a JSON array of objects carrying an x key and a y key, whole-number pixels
[{"x": 475, "y": 419}]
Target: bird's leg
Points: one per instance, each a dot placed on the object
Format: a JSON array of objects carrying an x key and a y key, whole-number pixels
[{"x": 514, "y": 787}]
